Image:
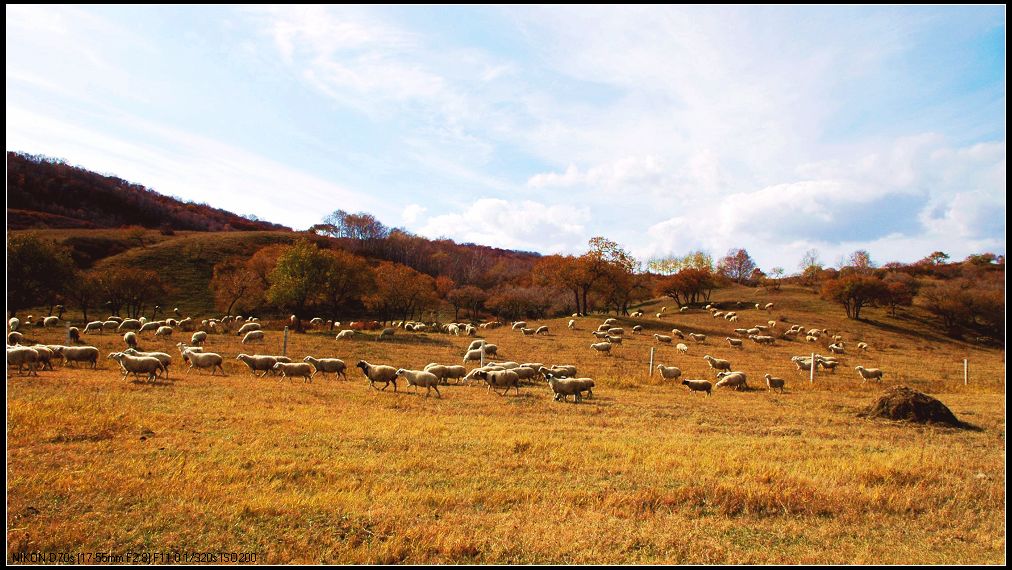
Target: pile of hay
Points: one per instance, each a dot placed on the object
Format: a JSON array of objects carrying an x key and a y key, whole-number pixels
[{"x": 902, "y": 403}]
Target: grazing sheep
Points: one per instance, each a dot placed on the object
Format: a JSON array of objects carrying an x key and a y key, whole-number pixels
[
  {"x": 775, "y": 383},
  {"x": 737, "y": 380},
  {"x": 614, "y": 339},
  {"x": 294, "y": 369},
  {"x": 600, "y": 334},
  {"x": 50, "y": 321},
  {"x": 762, "y": 339},
  {"x": 346, "y": 333},
  {"x": 201, "y": 360},
  {"x": 602, "y": 346},
  {"x": 572, "y": 324},
  {"x": 543, "y": 329},
  {"x": 110, "y": 325},
  {"x": 519, "y": 325},
  {"x": 500, "y": 379},
  {"x": 378, "y": 373},
  {"x": 862, "y": 346},
  {"x": 698, "y": 386},
  {"x": 717, "y": 363},
  {"x": 662, "y": 338},
  {"x": 717, "y": 314},
  {"x": 165, "y": 359},
  {"x": 660, "y": 315},
  {"x": 252, "y": 336},
  {"x": 198, "y": 338},
  {"x": 416, "y": 378},
  {"x": 617, "y": 331},
  {"x": 23, "y": 355},
  {"x": 476, "y": 344},
  {"x": 828, "y": 364},
  {"x": 475, "y": 355},
  {"x": 682, "y": 309},
  {"x": 698, "y": 337},
  {"x": 14, "y": 337},
  {"x": 259, "y": 362},
  {"x": 678, "y": 333},
  {"x": 610, "y": 321},
  {"x": 803, "y": 364},
  {"x": 490, "y": 349},
  {"x": 735, "y": 342},
  {"x": 93, "y": 326},
  {"x": 769, "y": 306},
  {"x": 163, "y": 331},
  {"x": 130, "y": 339},
  {"x": 136, "y": 364},
  {"x": 637, "y": 329},
  {"x": 559, "y": 370},
  {"x": 45, "y": 355},
  {"x": 637, "y": 314},
  {"x": 669, "y": 372},
  {"x": 247, "y": 328},
  {"x": 527, "y": 331},
  {"x": 14, "y": 323},
  {"x": 386, "y": 333},
  {"x": 869, "y": 373},
  {"x": 150, "y": 326},
  {"x": 565, "y": 387},
  {"x": 811, "y": 338},
  {"x": 836, "y": 348}
]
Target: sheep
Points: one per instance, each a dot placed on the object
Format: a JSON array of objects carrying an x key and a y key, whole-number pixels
[
  {"x": 662, "y": 338},
  {"x": 600, "y": 334},
  {"x": 828, "y": 364},
  {"x": 678, "y": 333},
  {"x": 22, "y": 355},
  {"x": 811, "y": 338},
  {"x": 572, "y": 324},
  {"x": 789, "y": 335},
  {"x": 14, "y": 337},
  {"x": 476, "y": 344},
  {"x": 637, "y": 329},
  {"x": 45, "y": 355},
  {"x": 559, "y": 370},
  {"x": 386, "y": 333},
  {"x": 602, "y": 346},
  {"x": 837, "y": 338},
  {"x": 473, "y": 356},
  {"x": 198, "y": 338},
  {"x": 761, "y": 339},
  {"x": 682, "y": 348},
  {"x": 324, "y": 365},
  {"x": 346, "y": 333},
  {"x": 165, "y": 359},
  {"x": 616, "y": 331},
  {"x": 660, "y": 315},
  {"x": 500, "y": 379},
  {"x": 717, "y": 314},
  {"x": 316, "y": 321},
  {"x": 258, "y": 362},
  {"x": 717, "y": 363},
  {"x": 14, "y": 323},
  {"x": 253, "y": 336},
  {"x": 152, "y": 366},
  {"x": 50, "y": 321},
  {"x": 614, "y": 339},
  {"x": 803, "y": 364},
  {"x": 533, "y": 365},
  {"x": 735, "y": 342},
  {"x": 737, "y": 380},
  {"x": 203, "y": 360},
  {"x": 378, "y": 373},
  {"x": 78, "y": 354},
  {"x": 769, "y": 306},
  {"x": 610, "y": 321},
  {"x": 836, "y": 348},
  {"x": 565, "y": 387},
  {"x": 110, "y": 325},
  {"x": 753, "y": 331},
  {"x": 294, "y": 369},
  {"x": 247, "y": 328},
  {"x": 698, "y": 386},
  {"x": 416, "y": 378},
  {"x": 772, "y": 324},
  {"x": 93, "y": 326},
  {"x": 525, "y": 372},
  {"x": 862, "y": 346},
  {"x": 775, "y": 383},
  {"x": 637, "y": 314},
  {"x": 698, "y": 337},
  {"x": 519, "y": 325},
  {"x": 682, "y": 309},
  {"x": 490, "y": 349},
  {"x": 543, "y": 329},
  {"x": 164, "y": 331},
  {"x": 509, "y": 364},
  {"x": 869, "y": 373},
  {"x": 669, "y": 372},
  {"x": 527, "y": 331},
  {"x": 445, "y": 372}
]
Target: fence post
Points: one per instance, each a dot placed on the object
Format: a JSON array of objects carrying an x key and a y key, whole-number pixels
[
  {"x": 811, "y": 371},
  {"x": 651, "y": 361},
  {"x": 284, "y": 348}
]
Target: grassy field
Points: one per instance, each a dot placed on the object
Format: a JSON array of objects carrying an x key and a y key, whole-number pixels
[{"x": 644, "y": 472}]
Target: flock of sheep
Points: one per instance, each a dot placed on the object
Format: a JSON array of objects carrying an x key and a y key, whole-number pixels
[{"x": 501, "y": 375}]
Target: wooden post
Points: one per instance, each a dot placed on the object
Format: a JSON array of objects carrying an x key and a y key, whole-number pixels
[
  {"x": 966, "y": 371},
  {"x": 284, "y": 347},
  {"x": 652, "y": 360},
  {"x": 811, "y": 371}
]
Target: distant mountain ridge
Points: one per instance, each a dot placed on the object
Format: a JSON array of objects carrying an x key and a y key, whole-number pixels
[{"x": 43, "y": 192}]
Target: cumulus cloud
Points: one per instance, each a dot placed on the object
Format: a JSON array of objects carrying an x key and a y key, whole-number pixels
[{"x": 412, "y": 212}]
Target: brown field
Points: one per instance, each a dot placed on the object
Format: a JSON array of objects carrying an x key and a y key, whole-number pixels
[{"x": 644, "y": 472}]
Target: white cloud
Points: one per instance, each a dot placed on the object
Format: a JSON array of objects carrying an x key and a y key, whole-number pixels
[{"x": 412, "y": 212}]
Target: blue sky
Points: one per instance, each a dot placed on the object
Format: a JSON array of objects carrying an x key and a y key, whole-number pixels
[{"x": 777, "y": 129}]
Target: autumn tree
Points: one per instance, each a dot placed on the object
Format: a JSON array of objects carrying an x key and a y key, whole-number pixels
[
  {"x": 233, "y": 282},
  {"x": 774, "y": 279},
  {"x": 673, "y": 264},
  {"x": 263, "y": 262},
  {"x": 860, "y": 260},
  {"x": 347, "y": 278},
  {"x": 811, "y": 267},
  {"x": 88, "y": 290},
  {"x": 688, "y": 286},
  {"x": 39, "y": 271},
  {"x": 468, "y": 297},
  {"x": 296, "y": 282},
  {"x": 130, "y": 289},
  {"x": 900, "y": 290},
  {"x": 854, "y": 292},
  {"x": 737, "y": 266},
  {"x": 400, "y": 292}
]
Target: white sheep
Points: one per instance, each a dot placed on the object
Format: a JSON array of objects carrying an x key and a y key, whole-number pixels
[
  {"x": 862, "y": 346},
  {"x": 416, "y": 378},
  {"x": 682, "y": 348},
  {"x": 519, "y": 325},
  {"x": 600, "y": 334},
  {"x": 165, "y": 359},
  {"x": 130, "y": 338},
  {"x": 669, "y": 372},
  {"x": 602, "y": 346},
  {"x": 93, "y": 326},
  {"x": 386, "y": 333},
  {"x": 698, "y": 337},
  {"x": 198, "y": 338},
  {"x": 14, "y": 337},
  {"x": 247, "y": 327},
  {"x": 662, "y": 338},
  {"x": 637, "y": 329},
  {"x": 14, "y": 323},
  {"x": 46, "y": 355},
  {"x": 490, "y": 349},
  {"x": 475, "y": 355},
  {"x": 698, "y": 386},
  {"x": 50, "y": 321},
  {"x": 614, "y": 339},
  {"x": 23, "y": 355},
  {"x": 259, "y": 362},
  {"x": 294, "y": 369},
  {"x": 201, "y": 360},
  {"x": 717, "y": 363},
  {"x": 869, "y": 373},
  {"x": 527, "y": 331},
  {"x": 543, "y": 329},
  {"x": 378, "y": 373},
  {"x": 346, "y": 333},
  {"x": 252, "y": 336},
  {"x": 678, "y": 333},
  {"x": 559, "y": 370},
  {"x": 616, "y": 331},
  {"x": 164, "y": 331},
  {"x": 735, "y": 342},
  {"x": 572, "y": 324},
  {"x": 769, "y": 306},
  {"x": 836, "y": 348},
  {"x": 565, "y": 387},
  {"x": 775, "y": 383},
  {"x": 737, "y": 380},
  {"x": 500, "y": 379},
  {"x": 445, "y": 371},
  {"x": 136, "y": 364},
  {"x": 78, "y": 354}
]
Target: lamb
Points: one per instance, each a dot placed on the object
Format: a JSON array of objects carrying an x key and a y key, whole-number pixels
[
  {"x": 203, "y": 360},
  {"x": 252, "y": 336},
  {"x": 543, "y": 329},
  {"x": 602, "y": 346},
  {"x": 737, "y": 380},
  {"x": 735, "y": 342},
  {"x": 135, "y": 364},
  {"x": 164, "y": 331},
  {"x": 324, "y": 365},
  {"x": 198, "y": 338},
  {"x": 22, "y": 355},
  {"x": 775, "y": 383},
  {"x": 294, "y": 369},
  {"x": 247, "y": 327},
  {"x": 386, "y": 333},
  {"x": 662, "y": 338},
  {"x": 346, "y": 333},
  {"x": 258, "y": 362},
  {"x": 682, "y": 348},
  {"x": 868, "y": 373},
  {"x": 378, "y": 373},
  {"x": 698, "y": 386},
  {"x": 93, "y": 326},
  {"x": 131, "y": 339},
  {"x": 565, "y": 387},
  {"x": 572, "y": 324},
  {"x": 698, "y": 337},
  {"x": 165, "y": 359},
  {"x": 717, "y": 363},
  {"x": 422, "y": 378},
  {"x": 669, "y": 372},
  {"x": 501, "y": 379}
]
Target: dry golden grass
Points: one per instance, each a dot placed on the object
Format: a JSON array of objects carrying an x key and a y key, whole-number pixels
[{"x": 644, "y": 472}]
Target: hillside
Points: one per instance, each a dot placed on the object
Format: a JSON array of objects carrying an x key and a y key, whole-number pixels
[{"x": 47, "y": 193}]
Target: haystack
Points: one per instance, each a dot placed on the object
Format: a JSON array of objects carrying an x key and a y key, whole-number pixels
[{"x": 902, "y": 403}]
